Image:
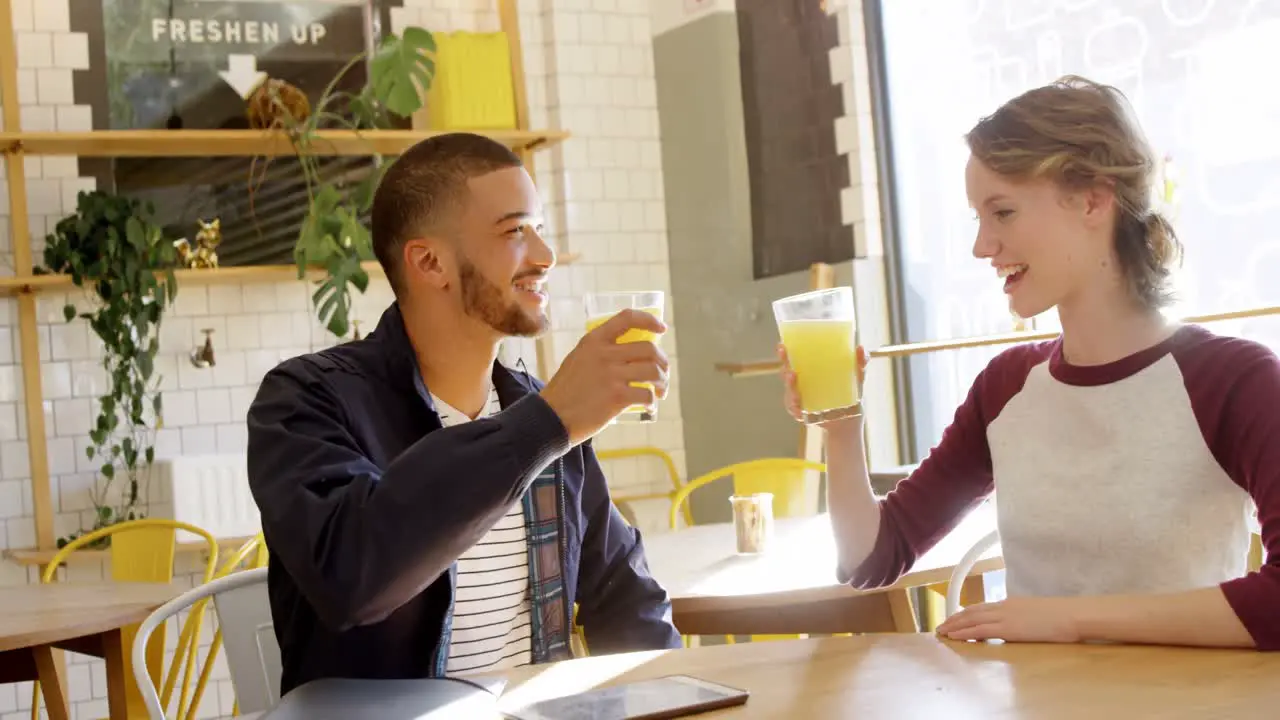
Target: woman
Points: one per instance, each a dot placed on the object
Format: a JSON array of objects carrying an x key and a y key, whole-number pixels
[{"x": 1128, "y": 453}]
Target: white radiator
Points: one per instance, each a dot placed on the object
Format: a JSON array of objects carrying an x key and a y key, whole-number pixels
[{"x": 208, "y": 491}]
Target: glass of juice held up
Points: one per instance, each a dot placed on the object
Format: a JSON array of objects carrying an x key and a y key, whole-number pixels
[
  {"x": 602, "y": 306},
  {"x": 817, "y": 330}
]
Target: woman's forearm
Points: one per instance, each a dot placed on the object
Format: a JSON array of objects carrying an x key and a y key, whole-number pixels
[{"x": 855, "y": 512}]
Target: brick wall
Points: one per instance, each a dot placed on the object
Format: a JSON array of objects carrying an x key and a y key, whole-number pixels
[{"x": 590, "y": 71}]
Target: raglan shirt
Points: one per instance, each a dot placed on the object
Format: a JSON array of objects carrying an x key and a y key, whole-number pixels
[
  {"x": 1138, "y": 476},
  {"x": 492, "y": 623}
]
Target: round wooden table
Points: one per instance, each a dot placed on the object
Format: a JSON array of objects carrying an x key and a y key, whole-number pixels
[
  {"x": 920, "y": 676},
  {"x": 38, "y": 620},
  {"x": 792, "y": 588}
]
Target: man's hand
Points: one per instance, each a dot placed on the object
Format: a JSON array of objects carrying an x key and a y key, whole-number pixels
[
  {"x": 1019, "y": 619},
  {"x": 593, "y": 385}
]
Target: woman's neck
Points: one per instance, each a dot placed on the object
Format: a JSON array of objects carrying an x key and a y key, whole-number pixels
[{"x": 1106, "y": 326}]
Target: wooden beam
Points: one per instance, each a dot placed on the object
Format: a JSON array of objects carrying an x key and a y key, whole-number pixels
[
  {"x": 509, "y": 23},
  {"x": 27, "y": 284},
  {"x": 243, "y": 143},
  {"x": 28, "y": 336},
  {"x": 753, "y": 368}
]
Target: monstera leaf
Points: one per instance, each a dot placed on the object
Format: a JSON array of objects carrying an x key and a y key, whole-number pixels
[{"x": 401, "y": 71}]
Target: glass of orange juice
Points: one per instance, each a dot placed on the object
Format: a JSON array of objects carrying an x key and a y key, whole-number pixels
[
  {"x": 817, "y": 330},
  {"x": 602, "y": 306}
]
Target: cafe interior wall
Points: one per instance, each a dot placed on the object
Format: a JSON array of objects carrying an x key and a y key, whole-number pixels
[
  {"x": 589, "y": 68},
  {"x": 725, "y": 310}
]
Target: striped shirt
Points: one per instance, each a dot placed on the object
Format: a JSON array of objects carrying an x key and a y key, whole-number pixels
[{"x": 492, "y": 626}]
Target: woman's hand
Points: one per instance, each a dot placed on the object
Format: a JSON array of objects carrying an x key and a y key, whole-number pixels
[
  {"x": 792, "y": 398},
  {"x": 1019, "y": 619}
]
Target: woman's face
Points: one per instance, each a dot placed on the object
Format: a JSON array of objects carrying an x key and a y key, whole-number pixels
[{"x": 1044, "y": 243}]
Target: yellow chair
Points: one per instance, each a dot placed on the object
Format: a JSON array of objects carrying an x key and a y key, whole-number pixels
[
  {"x": 668, "y": 463},
  {"x": 783, "y": 477},
  {"x": 253, "y": 554},
  {"x": 143, "y": 551}
]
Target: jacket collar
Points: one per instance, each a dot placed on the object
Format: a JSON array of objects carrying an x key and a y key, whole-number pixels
[{"x": 402, "y": 362}]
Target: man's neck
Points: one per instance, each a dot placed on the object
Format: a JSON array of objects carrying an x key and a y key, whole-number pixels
[{"x": 455, "y": 357}]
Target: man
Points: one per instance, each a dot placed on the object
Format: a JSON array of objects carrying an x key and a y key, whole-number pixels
[{"x": 430, "y": 511}]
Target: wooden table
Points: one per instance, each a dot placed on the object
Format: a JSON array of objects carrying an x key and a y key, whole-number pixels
[
  {"x": 920, "y": 676},
  {"x": 37, "y": 621},
  {"x": 792, "y": 588}
]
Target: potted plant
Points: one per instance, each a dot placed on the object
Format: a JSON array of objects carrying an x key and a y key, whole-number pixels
[
  {"x": 333, "y": 235},
  {"x": 112, "y": 246}
]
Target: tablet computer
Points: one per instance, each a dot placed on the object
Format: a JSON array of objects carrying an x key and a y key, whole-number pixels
[{"x": 674, "y": 696}]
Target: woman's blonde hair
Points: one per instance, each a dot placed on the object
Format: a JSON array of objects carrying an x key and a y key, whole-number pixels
[{"x": 1080, "y": 134}]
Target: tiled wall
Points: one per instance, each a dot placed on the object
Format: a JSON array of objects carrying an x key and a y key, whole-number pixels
[{"x": 590, "y": 71}]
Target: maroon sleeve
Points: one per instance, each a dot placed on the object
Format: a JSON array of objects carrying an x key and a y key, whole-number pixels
[
  {"x": 952, "y": 480},
  {"x": 1234, "y": 387}
]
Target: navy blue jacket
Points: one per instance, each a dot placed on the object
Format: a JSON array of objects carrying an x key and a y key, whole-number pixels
[{"x": 367, "y": 502}]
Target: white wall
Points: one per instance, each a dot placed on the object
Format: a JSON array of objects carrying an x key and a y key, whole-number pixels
[{"x": 590, "y": 71}]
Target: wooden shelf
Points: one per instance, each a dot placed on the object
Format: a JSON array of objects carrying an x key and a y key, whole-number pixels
[
  {"x": 17, "y": 285},
  {"x": 246, "y": 143},
  {"x": 42, "y": 557}
]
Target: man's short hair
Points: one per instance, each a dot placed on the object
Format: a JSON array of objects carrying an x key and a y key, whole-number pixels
[{"x": 423, "y": 186}]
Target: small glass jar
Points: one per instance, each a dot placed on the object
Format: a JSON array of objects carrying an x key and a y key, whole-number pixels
[{"x": 753, "y": 522}]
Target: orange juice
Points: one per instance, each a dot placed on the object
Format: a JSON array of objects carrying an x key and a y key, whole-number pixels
[
  {"x": 632, "y": 335},
  {"x": 824, "y": 356}
]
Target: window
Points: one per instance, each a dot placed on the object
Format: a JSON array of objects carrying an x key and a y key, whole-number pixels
[{"x": 1194, "y": 71}]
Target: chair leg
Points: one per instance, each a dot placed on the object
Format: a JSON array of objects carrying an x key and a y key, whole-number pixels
[{"x": 904, "y": 616}]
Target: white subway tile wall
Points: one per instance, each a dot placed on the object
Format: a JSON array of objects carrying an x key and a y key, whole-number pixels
[{"x": 589, "y": 70}]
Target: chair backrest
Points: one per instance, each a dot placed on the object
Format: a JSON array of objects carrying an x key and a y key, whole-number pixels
[
  {"x": 244, "y": 619},
  {"x": 668, "y": 464},
  {"x": 141, "y": 550},
  {"x": 248, "y": 634},
  {"x": 786, "y": 478},
  {"x": 963, "y": 567}
]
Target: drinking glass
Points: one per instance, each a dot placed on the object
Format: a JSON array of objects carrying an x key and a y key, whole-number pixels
[
  {"x": 753, "y": 522},
  {"x": 818, "y": 332},
  {"x": 602, "y": 306}
]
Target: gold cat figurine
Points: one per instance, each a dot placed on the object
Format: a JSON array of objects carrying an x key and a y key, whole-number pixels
[{"x": 203, "y": 255}]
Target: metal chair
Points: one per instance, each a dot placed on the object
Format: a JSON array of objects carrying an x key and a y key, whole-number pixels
[
  {"x": 962, "y": 568},
  {"x": 244, "y": 617}
]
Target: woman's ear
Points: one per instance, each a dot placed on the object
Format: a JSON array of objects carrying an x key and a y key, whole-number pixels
[{"x": 1099, "y": 203}]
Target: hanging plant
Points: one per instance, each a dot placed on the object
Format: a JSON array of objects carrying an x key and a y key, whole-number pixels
[
  {"x": 112, "y": 246},
  {"x": 333, "y": 235}
]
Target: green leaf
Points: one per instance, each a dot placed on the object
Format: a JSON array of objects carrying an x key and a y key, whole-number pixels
[
  {"x": 136, "y": 233},
  {"x": 108, "y": 470},
  {"x": 69, "y": 312},
  {"x": 400, "y": 72}
]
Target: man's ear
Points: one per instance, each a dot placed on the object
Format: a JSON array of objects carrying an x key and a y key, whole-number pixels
[{"x": 425, "y": 261}]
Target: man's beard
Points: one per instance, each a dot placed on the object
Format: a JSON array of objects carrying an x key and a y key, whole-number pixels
[{"x": 485, "y": 301}]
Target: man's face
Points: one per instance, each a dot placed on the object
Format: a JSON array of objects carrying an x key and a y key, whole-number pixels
[{"x": 502, "y": 261}]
